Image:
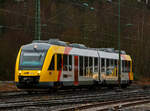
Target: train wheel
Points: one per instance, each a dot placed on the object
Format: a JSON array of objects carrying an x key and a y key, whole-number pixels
[
  {"x": 123, "y": 86},
  {"x": 99, "y": 87},
  {"x": 30, "y": 92},
  {"x": 92, "y": 88},
  {"x": 50, "y": 91},
  {"x": 53, "y": 90},
  {"x": 110, "y": 86},
  {"x": 58, "y": 85}
]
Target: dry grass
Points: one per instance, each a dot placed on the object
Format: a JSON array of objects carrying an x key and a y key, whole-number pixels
[
  {"x": 8, "y": 87},
  {"x": 143, "y": 81}
]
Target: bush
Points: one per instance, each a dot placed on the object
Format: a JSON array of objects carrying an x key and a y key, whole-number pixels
[{"x": 2, "y": 3}]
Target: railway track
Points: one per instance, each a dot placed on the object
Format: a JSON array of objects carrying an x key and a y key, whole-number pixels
[
  {"x": 80, "y": 98},
  {"x": 113, "y": 105},
  {"x": 18, "y": 94}
]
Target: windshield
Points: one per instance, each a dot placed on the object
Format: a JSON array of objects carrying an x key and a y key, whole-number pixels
[{"x": 31, "y": 60}]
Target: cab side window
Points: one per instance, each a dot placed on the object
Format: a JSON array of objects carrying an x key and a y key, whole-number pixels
[
  {"x": 129, "y": 66},
  {"x": 59, "y": 61},
  {"x": 52, "y": 64}
]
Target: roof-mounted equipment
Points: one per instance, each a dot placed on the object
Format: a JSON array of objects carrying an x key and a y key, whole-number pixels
[
  {"x": 57, "y": 42},
  {"x": 81, "y": 46}
]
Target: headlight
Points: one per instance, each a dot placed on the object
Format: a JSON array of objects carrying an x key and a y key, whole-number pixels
[
  {"x": 19, "y": 72},
  {"x": 39, "y": 72}
]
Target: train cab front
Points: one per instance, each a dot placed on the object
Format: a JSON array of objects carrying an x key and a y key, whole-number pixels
[
  {"x": 28, "y": 79},
  {"x": 29, "y": 66}
]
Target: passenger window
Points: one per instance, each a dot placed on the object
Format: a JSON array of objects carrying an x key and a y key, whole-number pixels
[
  {"x": 90, "y": 65},
  {"x": 123, "y": 66},
  {"x": 90, "y": 61},
  {"x": 86, "y": 66},
  {"x": 116, "y": 66},
  {"x": 112, "y": 62},
  {"x": 52, "y": 64},
  {"x": 70, "y": 62},
  {"x": 95, "y": 64},
  {"x": 109, "y": 69},
  {"x": 81, "y": 65},
  {"x": 129, "y": 66},
  {"x": 59, "y": 62},
  {"x": 126, "y": 66},
  {"x": 116, "y": 63},
  {"x": 107, "y": 63},
  {"x": 102, "y": 65},
  {"x": 65, "y": 63}
]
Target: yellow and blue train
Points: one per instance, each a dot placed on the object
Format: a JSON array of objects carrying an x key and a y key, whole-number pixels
[{"x": 54, "y": 64}]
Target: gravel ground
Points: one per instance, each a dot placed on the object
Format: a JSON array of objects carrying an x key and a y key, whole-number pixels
[
  {"x": 7, "y": 86},
  {"x": 10, "y": 86},
  {"x": 144, "y": 107}
]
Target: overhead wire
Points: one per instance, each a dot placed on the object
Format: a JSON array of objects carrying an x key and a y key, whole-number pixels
[
  {"x": 16, "y": 13},
  {"x": 20, "y": 14}
]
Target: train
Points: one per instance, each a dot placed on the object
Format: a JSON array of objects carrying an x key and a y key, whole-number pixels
[{"x": 54, "y": 64}]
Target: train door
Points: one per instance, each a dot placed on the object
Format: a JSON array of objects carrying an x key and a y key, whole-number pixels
[
  {"x": 76, "y": 82},
  {"x": 67, "y": 69}
]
